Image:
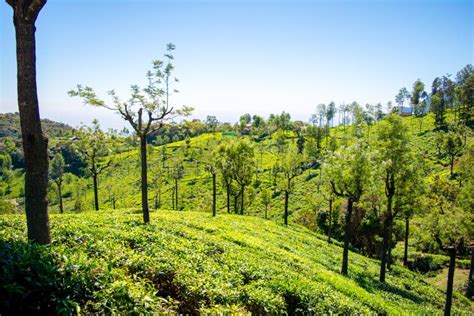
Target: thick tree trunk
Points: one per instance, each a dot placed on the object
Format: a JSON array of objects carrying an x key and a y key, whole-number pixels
[
  {"x": 347, "y": 237},
  {"x": 35, "y": 143},
  {"x": 387, "y": 233},
  {"x": 60, "y": 196},
  {"x": 286, "y": 208},
  {"x": 214, "y": 194},
  {"x": 330, "y": 221},
  {"x": 407, "y": 234},
  {"x": 96, "y": 192},
  {"x": 449, "y": 288},
  {"x": 144, "y": 186}
]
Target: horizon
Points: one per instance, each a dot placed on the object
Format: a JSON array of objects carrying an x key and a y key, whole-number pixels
[{"x": 240, "y": 57}]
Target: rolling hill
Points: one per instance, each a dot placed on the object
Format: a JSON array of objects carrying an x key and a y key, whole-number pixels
[{"x": 189, "y": 262}]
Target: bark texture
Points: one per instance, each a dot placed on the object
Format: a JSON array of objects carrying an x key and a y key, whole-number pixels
[{"x": 35, "y": 143}]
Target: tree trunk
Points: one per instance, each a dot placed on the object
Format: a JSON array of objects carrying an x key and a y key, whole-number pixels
[
  {"x": 242, "y": 201},
  {"x": 176, "y": 193},
  {"x": 144, "y": 186},
  {"x": 228, "y": 198},
  {"x": 286, "y": 208},
  {"x": 451, "y": 166},
  {"x": 407, "y": 234},
  {"x": 347, "y": 237},
  {"x": 236, "y": 211},
  {"x": 330, "y": 220},
  {"x": 266, "y": 211},
  {"x": 96, "y": 191},
  {"x": 35, "y": 143},
  {"x": 60, "y": 196},
  {"x": 449, "y": 288},
  {"x": 386, "y": 239},
  {"x": 470, "y": 280},
  {"x": 213, "y": 194}
]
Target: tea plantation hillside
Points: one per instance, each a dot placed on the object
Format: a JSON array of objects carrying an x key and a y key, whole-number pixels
[{"x": 109, "y": 262}]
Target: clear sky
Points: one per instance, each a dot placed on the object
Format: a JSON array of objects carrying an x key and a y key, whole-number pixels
[{"x": 234, "y": 57}]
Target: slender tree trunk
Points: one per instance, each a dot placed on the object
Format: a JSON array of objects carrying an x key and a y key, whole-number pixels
[
  {"x": 266, "y": 211},
  {"x": 172, "y": 198},
  {"x": 228, "y": 198},
  {"x": 60, "y": 196},
  {"x": 347, "y": 237},
  {"x": 286, "y": 207},
  {"x": 449, "y": 288},
  {"x": 236, "y": 211},
  {"x": 213, "y": 194},
  {"x": 470, "y": 280},
  {"x": 96, "y": 191},
  {"x": 176, "y": 193},
  {"x": 407, "y": 234},
  {"x": 386, "y": 239},
  {"x": 451, "y": 166},
  {"x": 35, "y": 143},
  {"x": 146, "y": 212},
  {"x": 330, "y": 220},
  {"x": 242, "y": 201}
]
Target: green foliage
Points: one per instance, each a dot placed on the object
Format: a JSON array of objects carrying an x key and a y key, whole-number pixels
[{"x": 108, "y": 262}]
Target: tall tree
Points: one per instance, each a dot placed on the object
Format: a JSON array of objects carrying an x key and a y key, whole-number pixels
[
  {"x": 453, "y": 146},
  {"x": 449, "y": 225},
  {"x": 94, "y": 147},
  {"x": 395, "y": 160},
  {"x": 35, "y": 143},
  {"x": 240, "y": 156},
  {"x": 330, "y": 112},
  {"x": 348, "y": 173},
  {"x": 401, "y": 97},
  {"x": 291, "y": 166},
  {"x": 418, "y": 100},
  {"x": 147, "y": 110},
  {"x": 56, "y": 173}
]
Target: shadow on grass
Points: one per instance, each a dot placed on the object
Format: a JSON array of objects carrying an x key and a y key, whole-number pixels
[{"x": 370, "y": 284}]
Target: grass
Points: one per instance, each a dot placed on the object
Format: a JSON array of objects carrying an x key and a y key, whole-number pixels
[{"x": 189, "y": 262}]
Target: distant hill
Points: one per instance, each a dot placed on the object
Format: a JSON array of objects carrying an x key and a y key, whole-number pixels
[{"x": 10, "y": 126}]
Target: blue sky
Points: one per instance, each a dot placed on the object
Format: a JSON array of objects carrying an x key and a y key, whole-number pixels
[{"x": 234, "y": 57}]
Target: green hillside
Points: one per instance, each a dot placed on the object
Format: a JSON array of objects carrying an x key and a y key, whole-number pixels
[{"x": 109, "y": 261}]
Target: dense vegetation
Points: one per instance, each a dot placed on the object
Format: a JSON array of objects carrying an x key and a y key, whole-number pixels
[
  {"x": 378, "y": 178},
  {"x": 109, "y": 262}
]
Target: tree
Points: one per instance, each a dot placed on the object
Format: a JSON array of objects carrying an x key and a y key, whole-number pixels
[
  {"x": 147, "y": 110},
  {"x": 212, "y": 166},
  {"x": 348, "y": 174},
  {"x": 418, "y": 97},
  {"x": 240, "y": 156},
  {"x": 448, "y": 224},
  {"x": 453, "y": 146},
  {"x": 56, "y": 173},
  {"x": 35, "y": 143},
  {"x": 401, "y": 97},
  {"x": 266, "y": 200},
  {"x": 223, "y": 163},
  {"x": 330, "y": 112},
  {"x": 290, "y": 166},
  {"x": 395, "y": 159},
  {"x": 94, "y": 146},
  {"x": 437, "y": 107},
  {"x": 212, "y": 123},
  {"x": 176, "y": 173}
]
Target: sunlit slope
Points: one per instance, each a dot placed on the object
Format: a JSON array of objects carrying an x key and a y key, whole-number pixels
[{"x": 196, "y": 262}]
